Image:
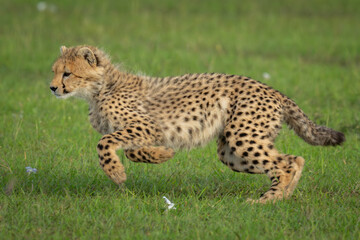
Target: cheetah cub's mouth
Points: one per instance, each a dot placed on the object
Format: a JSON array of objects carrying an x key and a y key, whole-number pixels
[{"x": 62, "y": 96}]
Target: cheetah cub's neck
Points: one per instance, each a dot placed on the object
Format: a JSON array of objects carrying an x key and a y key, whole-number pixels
[{"x": 117, "y": 89}]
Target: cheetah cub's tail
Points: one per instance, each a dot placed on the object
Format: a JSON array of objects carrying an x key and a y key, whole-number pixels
[{"x": 308, "y": 130}]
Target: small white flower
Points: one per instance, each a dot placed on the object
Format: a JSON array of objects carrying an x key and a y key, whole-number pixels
[
  {"x": 170, "y": 204},
  {"x": 31, "y": 170},
  {"x": 266, "y": 76},
  {"x": 41, "y": 6}
]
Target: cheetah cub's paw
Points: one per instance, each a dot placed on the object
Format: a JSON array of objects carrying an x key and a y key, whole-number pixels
[{"x": 119, "y": 177}]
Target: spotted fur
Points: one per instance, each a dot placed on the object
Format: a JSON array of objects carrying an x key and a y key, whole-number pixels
[{"x": 148, "y": 117}]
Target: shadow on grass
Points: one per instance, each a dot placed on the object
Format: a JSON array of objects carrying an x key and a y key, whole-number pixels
[{"x": 137, "y": 185}]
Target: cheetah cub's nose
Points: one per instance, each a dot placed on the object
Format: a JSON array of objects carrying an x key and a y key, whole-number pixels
[{"x": 53, "y": 88}]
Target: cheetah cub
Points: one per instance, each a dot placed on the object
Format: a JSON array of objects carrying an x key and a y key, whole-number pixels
[{"x": 148, "y": 117}]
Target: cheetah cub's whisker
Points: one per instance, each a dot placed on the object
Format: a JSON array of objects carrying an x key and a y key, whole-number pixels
[{"x": 148, "y": 117}]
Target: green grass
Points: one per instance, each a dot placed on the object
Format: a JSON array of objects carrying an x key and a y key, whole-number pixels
[{"x": 311, "y": 50}]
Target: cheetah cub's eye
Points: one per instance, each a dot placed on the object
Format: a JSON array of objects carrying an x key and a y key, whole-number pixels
[{"x": 66, "y": 74}]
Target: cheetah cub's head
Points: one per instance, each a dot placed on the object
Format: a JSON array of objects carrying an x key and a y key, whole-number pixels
[{"x": 78, "y": 72}]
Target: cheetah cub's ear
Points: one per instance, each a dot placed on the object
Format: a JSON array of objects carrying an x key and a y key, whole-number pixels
[
  {"x": 88, "y": 55},
  {"x": 62, "y": 50}
]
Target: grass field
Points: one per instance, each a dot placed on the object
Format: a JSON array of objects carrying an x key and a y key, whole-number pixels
[{"x": 311, "y": 49}]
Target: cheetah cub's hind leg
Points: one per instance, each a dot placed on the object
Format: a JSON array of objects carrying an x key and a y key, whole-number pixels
[
  {"x": 258, "y": 156},
  {"x": 284, "y": 172},
  {"x": 158, "y": 154},
  {"x": 296, "y": 164}
]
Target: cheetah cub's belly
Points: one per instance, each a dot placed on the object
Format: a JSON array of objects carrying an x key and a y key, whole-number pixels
[{"x": 195, "y": 127}]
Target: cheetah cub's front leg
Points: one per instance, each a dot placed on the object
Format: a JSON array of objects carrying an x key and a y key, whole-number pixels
[
  {"x": 125, "y": 139},
  {"x": 152, "y": 154}
]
